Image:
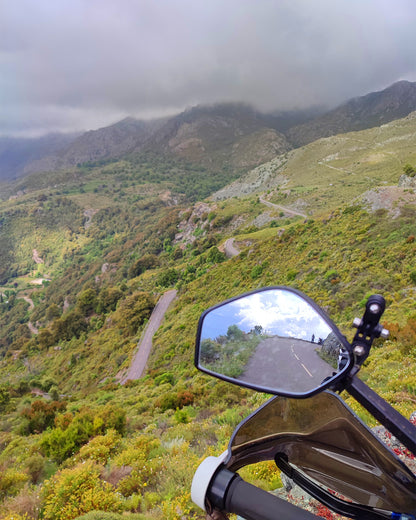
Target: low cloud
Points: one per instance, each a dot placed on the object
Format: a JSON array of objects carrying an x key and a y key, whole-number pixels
[{"x": 81, "y": 64}]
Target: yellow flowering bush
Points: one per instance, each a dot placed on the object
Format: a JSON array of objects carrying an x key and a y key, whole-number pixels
[
  {"x": 11, "y": 481},
  {"x": 16, "y": 516},
  {"x": 100, "y": 448},
  {"x": 78, "y": 490},
  {"x": 263, "y": 474}
]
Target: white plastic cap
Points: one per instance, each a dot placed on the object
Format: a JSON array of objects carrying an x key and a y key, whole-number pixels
[{"x": 203, "y": 476}]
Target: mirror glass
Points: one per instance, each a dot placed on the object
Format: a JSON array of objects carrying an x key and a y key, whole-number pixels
[{"x": 272, "y": 340}]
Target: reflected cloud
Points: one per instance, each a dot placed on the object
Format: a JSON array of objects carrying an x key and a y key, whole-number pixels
[{"x": 276, "y": 311}]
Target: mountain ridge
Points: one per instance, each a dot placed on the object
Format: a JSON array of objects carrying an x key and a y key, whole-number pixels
[
  {"x": 212, "y": 135},
  {"x": 373, "y": 109}
]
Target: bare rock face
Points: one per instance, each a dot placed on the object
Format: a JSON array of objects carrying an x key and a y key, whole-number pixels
[
  {"x": 406, "y": 181},
  {"x": 390, "y": 198},
  {"x": 234, "y": 136}
]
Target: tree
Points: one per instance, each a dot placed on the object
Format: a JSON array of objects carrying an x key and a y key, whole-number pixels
[
  {"x": 234, "y": 333},
  {"x": 133, "y": 311},
  {"x": 69, "y": 325},
  {"x": 52, "y": 312},
  {"x": 258, "y": 329},
  {"x": 142, "y": 264},
  {"x": 87, "y": 300},
  {"x": 168, "y": 277},
  {"x": 108, "y": 298}
]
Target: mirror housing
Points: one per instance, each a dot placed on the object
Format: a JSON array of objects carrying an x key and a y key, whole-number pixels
[{"x": 274, "y": 340}]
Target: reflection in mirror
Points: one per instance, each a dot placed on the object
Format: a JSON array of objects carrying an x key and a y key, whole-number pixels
[{"x": 272, "y": 338}]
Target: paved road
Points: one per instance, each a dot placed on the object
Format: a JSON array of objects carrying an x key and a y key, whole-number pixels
[
  {"x": 229, "y": 248},
  {"x": 282, "y": 208},
  {"x": 288, "y": 364},
  {"x": 145, "y": 344}
]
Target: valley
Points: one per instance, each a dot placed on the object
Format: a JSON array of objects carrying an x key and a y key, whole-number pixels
[{"x": 88, "y": 249}]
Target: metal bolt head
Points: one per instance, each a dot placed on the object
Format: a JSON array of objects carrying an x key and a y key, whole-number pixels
[
  {"x": 374, "y": 308},
  {"x": 359, "y": 350},
  {"x": 385, "y": 333},
  {"x": 357, "y": 322}
]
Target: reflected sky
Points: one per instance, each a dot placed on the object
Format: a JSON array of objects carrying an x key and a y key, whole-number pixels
[{"x": 277, "y": 311}]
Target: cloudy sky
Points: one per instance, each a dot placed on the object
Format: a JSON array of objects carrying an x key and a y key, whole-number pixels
[{"x": 81, "y": 64}]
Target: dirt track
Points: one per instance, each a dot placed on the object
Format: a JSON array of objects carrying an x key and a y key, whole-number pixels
[
  {"x": 36, "y": 257},
  {"x": 145, "y": 344},
  {"x": 282, "y": 208}
]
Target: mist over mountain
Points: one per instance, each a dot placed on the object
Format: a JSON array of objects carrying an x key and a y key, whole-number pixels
[
  {"x": 371, "y": 110},
  {"x": 17, "y": 153},
  {"x": 229, "y": 134}
]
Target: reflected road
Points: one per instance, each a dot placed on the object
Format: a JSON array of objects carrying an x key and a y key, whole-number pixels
[{"x": 287, "y": 364}]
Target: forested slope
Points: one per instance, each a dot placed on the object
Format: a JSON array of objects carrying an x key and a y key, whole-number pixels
[{"x": 94, "y": 249}]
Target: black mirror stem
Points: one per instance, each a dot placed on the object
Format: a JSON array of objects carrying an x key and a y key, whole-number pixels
[{"x": 398, "y": 425}]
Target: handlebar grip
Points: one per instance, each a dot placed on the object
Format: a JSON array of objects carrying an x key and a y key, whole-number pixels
[{"x": 253, "y": 503}]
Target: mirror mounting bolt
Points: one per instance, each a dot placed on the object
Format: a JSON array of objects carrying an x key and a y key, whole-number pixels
[
  {"x": 374, "y": 308},
  {"x": 357, "y": 322},
  {"x": 359, "y": 350}
]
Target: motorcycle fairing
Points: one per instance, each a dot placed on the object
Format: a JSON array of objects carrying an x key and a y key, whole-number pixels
[{"x": 323, "y": 439}]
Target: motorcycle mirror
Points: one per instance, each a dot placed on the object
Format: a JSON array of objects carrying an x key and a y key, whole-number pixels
[{"x": 274, "y": 340}]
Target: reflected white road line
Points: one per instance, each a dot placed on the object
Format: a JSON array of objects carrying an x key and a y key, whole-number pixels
[{"x": 306, "y": 370}]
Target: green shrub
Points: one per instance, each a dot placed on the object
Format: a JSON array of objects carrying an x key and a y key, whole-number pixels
[
  {"x": 87, "y": 301},
  {"x": 61, "y": 442},
  {"x": 409, "y": 170},
  {"x": 4, "y": 396},
  {"x": 181, "y": 416},
  {"x": 215, "y": 256},
  {"x": 166, "y": 377},
  {"x": 100, "y": 447},
  {"x": 70, "y": 325},
  {"x": 256, "y": 272},
  {"x": 174, "y": 400},
  {"x": 40, "y": 416},
  {"x": 132, "y": 312},
  {"x": 35, "y": 465},
  {"x": 291, "y": 275},
  {"x": 107, "y": 299},
  {"x": 141, "y": 265},
  {"x": 167, "y": 278}
]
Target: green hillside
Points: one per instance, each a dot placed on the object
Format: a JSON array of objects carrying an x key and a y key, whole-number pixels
[
  {"x": 84, "y": 256},
  {"x": 334, "y": 171}
]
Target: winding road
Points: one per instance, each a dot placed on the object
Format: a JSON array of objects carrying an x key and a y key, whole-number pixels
[
  {"x": 229, "y": 248},
  {"x": 282, "y": 208},
  {"x": 144, "y": 346}
]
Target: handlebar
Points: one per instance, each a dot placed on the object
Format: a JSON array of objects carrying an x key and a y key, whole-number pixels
[{"x": 230, "y": 493}]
